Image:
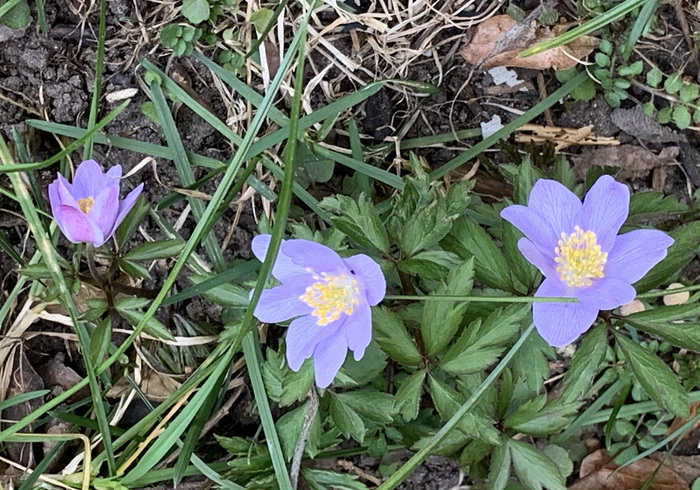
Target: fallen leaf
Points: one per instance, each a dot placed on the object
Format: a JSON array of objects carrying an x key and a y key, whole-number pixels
[
  {"x": 484, "y": 49},
  {"x": 636, "y": 162},
  {"x": 156, "y": 386},
  {"x": 636, "y": 123},
  {"x": 687, "y": 467},
  {"x": 598, "y": 473}
]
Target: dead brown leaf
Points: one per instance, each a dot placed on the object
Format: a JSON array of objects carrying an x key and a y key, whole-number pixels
[
  {"x": 636, "y": 162},
  {"x": 598, "y": 473},
  {"x": 156, "y": 386},
  {"x": 687, "y": 467},
  {"x": 483, "y": 48}
]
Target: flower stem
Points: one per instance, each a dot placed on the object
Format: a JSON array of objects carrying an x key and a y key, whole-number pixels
[
  {"x": 92, "y": 263},
  {"x": 451, "y": 424},
  {"x": 486, "y": 299},
  {"x": 303, "y": 435}
]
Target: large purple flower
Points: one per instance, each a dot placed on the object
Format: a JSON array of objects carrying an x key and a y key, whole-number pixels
[
  {"x": 329, "y": 299},
  {"x": 577, "y": 248},
  {"x": 89, "y": 209}
]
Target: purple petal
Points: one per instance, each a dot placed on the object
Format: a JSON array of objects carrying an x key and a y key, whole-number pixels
[
  {"x": 605, "y": 209},
  {"x": 281, "y": 303},
  {"x": 77, "y": 227},
  {"x": 556, "y": 204},
  {"x": 358, "y": 330},
  {"x": 635, "y": 253},
  {"x": 329, "y": 355},
  {"x": 64, "y": 191},
  {"x": 370, "y": 275},
  {"x": 115, "y": 172},
  {"x": 104, "y": 210},
  {"x": 533, "y": 226},
  {"x": 125, "y": 206},
  {"x": 314, "y": 256},
  {"x": 606, "y": 293},
  {"x": 89, "y": 180},
  {"x": 533, "y": 253},
  {"x": 284, "y": 268},
  {"x": 559, "y": 324},
  {"x": 302, "y": 336}
]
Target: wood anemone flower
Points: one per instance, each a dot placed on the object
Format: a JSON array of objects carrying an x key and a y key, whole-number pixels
[
  {"x": 577, "y": 248},
  {"x": 89, "y": 210},
  {"x": 329, "y": 299}
]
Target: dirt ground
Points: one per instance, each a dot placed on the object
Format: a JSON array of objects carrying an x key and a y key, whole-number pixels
[{"x": 51, "y": 78}]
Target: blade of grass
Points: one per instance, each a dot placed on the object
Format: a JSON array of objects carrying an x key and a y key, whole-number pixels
[
  {"x": 5, "y": 8},
  {"x": 369, "y": 170},
  {"x": 97, "y": 87},
  {"x": 41, "y": 17},
  {"x": 364, "y": 182},
  {"x": 49, "y": 254},
  {"x": 21, "y": 398},
  {"x": 509, "y": 128},
  {"x": 602, "y": 20},
  {"x": 394, "y": 480},
  {"x": 182, "y": 165},
  {"x": 640, "y": 23}
]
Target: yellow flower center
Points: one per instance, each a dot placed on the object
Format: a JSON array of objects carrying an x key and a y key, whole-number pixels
[
  {"x": 579, "y": 257},
  {"x": 330, "y": 296},
  {"x": 86, "y": 204}
]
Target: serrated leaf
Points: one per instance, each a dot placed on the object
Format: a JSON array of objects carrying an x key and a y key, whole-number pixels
[
  {"x": 162, "y": 249},
  {"x": 346, "y": 420},
  {"x": 654, "y": 376},
  {"x": 521, "y": 267},
  {"x": 289, "y": 427},
  {"x": 441, "y": 318},
  {"x": 665, "y": 323},
  {"x": 407, "y": 399},
  {"x": 540, "y": 419},
  {"x": 318, "y": 479},
  {"x": 195, "y": 11},
  {"x": 391, "y": 335},
  {"x": 480, "y": 344},
  {"x": 585, "y": 365},
  {"x": 373, "y": 406},
  {"x": 366, "y": 369},
  {"x": 654, "y": 77},
  {"x": 651, "y": 203},
  {"x": 467, "y": 239},
  {"x": 448, "y": 401},
  {"x": 359, "y": 220},
  {"x": 431, "y": 264},
  {"x": 499, "y": 471},
  {"x": 533, "y": 468},
  {"x": 425, "y": 228}
]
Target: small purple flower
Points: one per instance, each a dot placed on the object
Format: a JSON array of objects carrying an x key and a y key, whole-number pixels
[
  {"x": 89, "y": 209},
  {"x": 329, "y": 299},
  {"x": 576, "y": 247}
]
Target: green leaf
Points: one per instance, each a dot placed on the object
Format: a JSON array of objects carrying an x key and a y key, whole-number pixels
[
  {"x": 480, "y": 345},
  {"x": 664, "y": 115},
  {"x": 431, "y": 264},
  {"x": 654, "y": 77},
  {"x": 162, "y": 249},
  {"x": 602, "y": 60},
  {"x": 649, "y": 108},
  {"x": 100, "y": 340},
  {"x": 441, "y": 318},
  {"x": 153, "y": 326},
  {"x": 499, "y": 471},
  {"x": 673, "y": 83},
  {"x": 667, "y": 325},
  {"x": 681, "y": 117},
  {"x": 358, "y": 220},
  {"x": 133, "y": 269},
  {"x": 534, "y": 469},
  {"x": 585, "y": 365},
  {"x": 374, "y": 406},
  {"x": 586, "y": 91},
  {"x": 407, "y": 400},
  {"x": 540, "y": 419},
  {"x": 467, "y": 239},
  {"x": 133, "y": 220},
  {"x": 448, "y": 401},
  {"x": 561, "y": 459},
  {"x": 649, "y": 204},
  {"x": 530, "y": 362},
  {"x": 318, "y": 479},
  {"x": 391, "y": 335},
  {"x": 18, "y": 17},
  {"x": 310, "y": 167},
  {"x": 289, "y": 427},
  {"x": 426, "y": 227},
  {"x": 227, "y": 294},
  {"x": 605, "y": 46},
  {"x": 521, "y": 267},
  {"x": 632, "y": 70},
  {"x": 689, "y": 92},
  {"x": 365, "y": 370},
  {"x": 655, "y": 376},
  {"x": 346, "y": 420},
  {"x": 195, "y": 11},
  {"x": 261, "y": 18},
  {"x": 613, "y": 99}
]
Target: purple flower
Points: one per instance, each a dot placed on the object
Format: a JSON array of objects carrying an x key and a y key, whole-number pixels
[
  {"x": 329, "y": 299},
  {"x": 89, "y": 209},
  {"x": 576, "y": 247}
]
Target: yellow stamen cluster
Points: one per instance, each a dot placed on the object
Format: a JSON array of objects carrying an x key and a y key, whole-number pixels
[
  {"x": 86, "y": 204},
  {"x": 580, "y": 258},
  {"x": 330, "y": 296}
]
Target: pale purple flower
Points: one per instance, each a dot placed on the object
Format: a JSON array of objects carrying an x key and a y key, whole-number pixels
[
  {"x": 329, "y": 298},
  {"x": 576, "y": 247},
  {"x": 89, "y": 210}
]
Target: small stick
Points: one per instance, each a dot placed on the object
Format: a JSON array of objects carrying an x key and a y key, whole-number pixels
[{"x": 303, "y": 435}]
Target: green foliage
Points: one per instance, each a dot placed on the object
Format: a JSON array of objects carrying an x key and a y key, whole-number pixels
[
  {"x": 180, "y": 38},
  {"x": 15, "y": 14}
]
